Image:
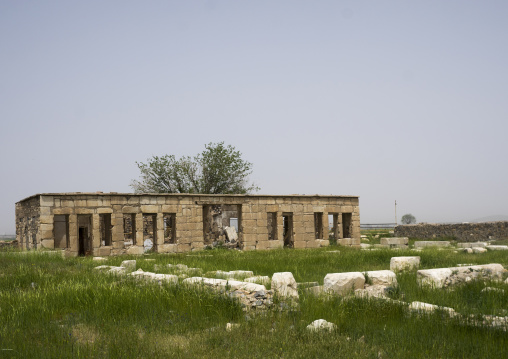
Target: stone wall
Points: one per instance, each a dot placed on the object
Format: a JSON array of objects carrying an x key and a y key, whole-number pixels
[
  {"x": 28, "y": 225},
  {"x": 464, "y": 232},
  {"x": 103, "y": 224}
]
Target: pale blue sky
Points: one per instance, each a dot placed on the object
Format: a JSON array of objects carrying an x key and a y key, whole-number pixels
[{"x": 387, "y": 100}]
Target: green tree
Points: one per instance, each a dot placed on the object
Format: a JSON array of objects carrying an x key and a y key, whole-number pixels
[
  {"x": 219, "y": 169},
  {"x": 408, "y": 219}
]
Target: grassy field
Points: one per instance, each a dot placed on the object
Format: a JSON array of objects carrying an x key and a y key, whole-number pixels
[{"x": 52, "y": 307}]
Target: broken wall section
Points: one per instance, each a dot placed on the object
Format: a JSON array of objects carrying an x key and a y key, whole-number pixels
[
  {"x": 464, "y": 232},
  {"x": 28, "y": 225},
  {"x": 222, "y": 224}
]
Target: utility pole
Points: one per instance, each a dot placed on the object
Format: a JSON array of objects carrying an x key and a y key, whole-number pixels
[{"x": 395, "y": 212}]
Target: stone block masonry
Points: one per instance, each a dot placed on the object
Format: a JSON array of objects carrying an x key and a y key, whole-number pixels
[
  {"x": 105, "y": 224},
  {"x": 463, "y": 232}
]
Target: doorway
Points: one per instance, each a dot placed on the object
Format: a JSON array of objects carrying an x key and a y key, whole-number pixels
[
  {"x": 346, "y": 225},
  {"x": 84, "y": 235},
  {"x": 287, "y": 229}
]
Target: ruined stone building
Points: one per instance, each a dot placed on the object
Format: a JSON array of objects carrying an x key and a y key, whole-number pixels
[{"x": 103, "y": 224}]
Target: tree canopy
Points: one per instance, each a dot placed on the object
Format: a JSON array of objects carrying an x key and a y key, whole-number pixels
[
  {"x": 219, "y": 169},
  {"x": 408, "y": 219}
]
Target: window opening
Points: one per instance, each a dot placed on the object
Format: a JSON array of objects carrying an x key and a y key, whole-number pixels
[
  {"x": 221, "y": 223},
  {"x": 287, "y": 232},
  {"x": 61, "y": 230},
  {"x": 318, "y": 225},
  {"x": 169, "y": 227},
  {"x": 105, "y": 229},
  {"x": 271, "y": 220},
  {"x": 333, "y": 226},
  {"x": 149, "y": 231},
  {"x": 233, "y": 222},
  {"x": 346, "y": 225},
  {"x": 85, "y": 247},
  {"x": 129, "y": 228}
]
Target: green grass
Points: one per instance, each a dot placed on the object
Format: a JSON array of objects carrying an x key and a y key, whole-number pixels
[{"x": 52, "y": 307}]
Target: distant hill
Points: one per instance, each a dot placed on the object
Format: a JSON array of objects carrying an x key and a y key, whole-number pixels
[{"x": 495, "y": 218}]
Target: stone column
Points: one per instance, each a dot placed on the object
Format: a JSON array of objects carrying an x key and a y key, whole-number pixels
[
  {"x": 160, "y": 229},
  {"x": 46, "y": 229},
  {"x": 96, "y": 233},
  {"x": 117, "y": 231},
  {"x": 326, "y": 225},
  {"x": 73, "y": 245},
  {"x": 139, "y": 229}
]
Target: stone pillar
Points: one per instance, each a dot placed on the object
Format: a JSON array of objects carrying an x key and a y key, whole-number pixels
[
  {"x": 139, "y": 229},
  {"x": 340, "y": 233},
  {"x": 73, "y": 246},
  {"x": 117, "y": 231},
  {"x": 280, "y": 226},
  {"x": 96, "y": 233},
  {"x": 160, "y": 229},
  {"x": 46, "y": 229},
  {"x": 326, "y": 225}
]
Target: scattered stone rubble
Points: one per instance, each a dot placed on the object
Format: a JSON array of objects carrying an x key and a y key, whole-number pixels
[
  {"x": 250, "y": 295},
  {"x": 154, "y": 277},
  {"x": 253, "y": 295},
  {"x": 421, "y": 307},
  {"x": 492, "y": 321},
  {"x": 446, "y": 277}
]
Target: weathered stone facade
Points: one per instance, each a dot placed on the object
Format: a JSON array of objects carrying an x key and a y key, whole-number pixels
[
  {"x": 103, "y": 224},
  {"x": 464, "y": 232}
]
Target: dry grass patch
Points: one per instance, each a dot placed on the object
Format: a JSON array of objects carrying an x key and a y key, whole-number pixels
[{"x": 84, "y": 334}]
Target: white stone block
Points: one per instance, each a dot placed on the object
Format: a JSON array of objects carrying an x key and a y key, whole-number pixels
[
  {"x": 343, "y": 283},
  {"x": 394, "y": 241},
  {"x": 231, "y": 233},
  {"x": 421, "y": 244},
  {"x": 231, "y": 326},
  {"x": 249, "y": 287},
  {"x": 104, "y": 267},
  {"x": 129, "y": 265},
  {"x": 442, "y": 277},
  {"x": 321, "y": 325},
  {"x": 497, "y": 248},
  {"x": 404, "y": 263},
  {"x": 284, "y": 285},
  {"x": 434, "y": 277},
  {"x": 372, "y": 291},
  {"x": 117, "y": 270},
  {"x": 265, "y": 280},
  {"x": 422, "y": 307},
  {"x": 382, "y": 277}
]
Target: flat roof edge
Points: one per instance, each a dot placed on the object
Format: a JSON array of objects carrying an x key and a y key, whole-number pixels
[{"x": 183, "y": 194}]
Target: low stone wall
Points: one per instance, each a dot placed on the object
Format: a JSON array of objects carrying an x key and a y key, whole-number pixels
[{"x": 464, "y": 232}]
